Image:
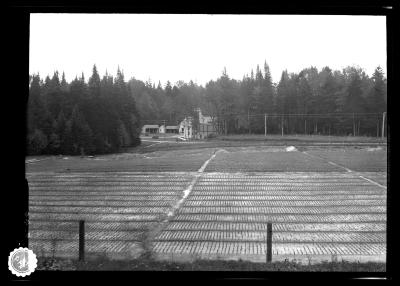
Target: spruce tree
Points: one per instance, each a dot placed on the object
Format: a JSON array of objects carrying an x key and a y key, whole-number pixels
[
  {"x": 376, "y": 98},
  {"x": 168, "y": 89}
]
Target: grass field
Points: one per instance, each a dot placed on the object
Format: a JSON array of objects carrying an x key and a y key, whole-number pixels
[
  {"x": 212, "y": 200},
  {"x": 300, "y": 138}
]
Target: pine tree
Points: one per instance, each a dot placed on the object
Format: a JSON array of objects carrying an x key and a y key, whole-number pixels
[
  {"x": 38, "y": 114},
  {"x": 53, "y": 96},
  {"x": 64, "y": 84},
  {"x": 168, "y": 89},
  {"x": 159, "y": 87},
  {"x": 267, "y": 91},
  {"x": 94, "y": 83},
  {"x": 376, "y": 98}
]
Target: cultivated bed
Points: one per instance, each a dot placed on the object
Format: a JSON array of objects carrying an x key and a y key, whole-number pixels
[{"x": 213, "y": 203}]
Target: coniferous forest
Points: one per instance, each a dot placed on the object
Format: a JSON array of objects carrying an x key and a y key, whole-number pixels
[
  {"x": 93, "y": 117},
  {"x": 103, "y": 115}
]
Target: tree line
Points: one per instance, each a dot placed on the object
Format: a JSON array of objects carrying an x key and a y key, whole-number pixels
[
  {"x": 93, "y": 117},
  {"x": 311, "y": 101},
  {"x": 104, "y": 115}
]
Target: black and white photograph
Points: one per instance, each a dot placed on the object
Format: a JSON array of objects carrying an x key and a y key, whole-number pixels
[{"x": 206, "y": 142}]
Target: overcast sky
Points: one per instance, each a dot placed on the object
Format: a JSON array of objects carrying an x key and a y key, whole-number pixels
[{"x": 198, "y": 47}]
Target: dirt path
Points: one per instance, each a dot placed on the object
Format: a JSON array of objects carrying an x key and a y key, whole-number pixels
[{"x": 148, "y": 242}]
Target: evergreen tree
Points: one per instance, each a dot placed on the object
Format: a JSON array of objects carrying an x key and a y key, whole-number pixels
[
  {"x": 168, "y": 89},
  {"x": 38, "y": 115},
  {"x": 376, "y": 98},
  {"x": 64, "y": 84},
  {"x": 53, "y": 96},
  {"x": 94, "y": 83},
  {"x": 81, "y": 133}
]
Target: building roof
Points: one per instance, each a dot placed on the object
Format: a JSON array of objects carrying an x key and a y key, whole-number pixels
[
  {"x": 172, "y": 127},
  {"x": 150, "y": 126}
]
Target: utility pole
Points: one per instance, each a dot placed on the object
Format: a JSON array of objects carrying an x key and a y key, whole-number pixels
[
  {"x": 165, "y": 128},
  {"x": 377, "y": 128},
  {"x": 248, "y": 118},
  {"x": 282, "y": 125},
  {"x": 383, "y": 124},
  {"x": 305, "y": 126},
  {"x": 265, "y": 124}
]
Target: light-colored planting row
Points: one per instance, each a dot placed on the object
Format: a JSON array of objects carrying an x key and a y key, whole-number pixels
[
  {"x": 329, "y": 248},
  {"x": 44, "y": 184},
  {"x": 91, "y": 225},
  {"x": 209, "y": 176},
  {"x": 348, "y": 237},
  {"x": 285, "y": 177},
  {"x": 249, "y": 248},
  {"x": 241, "y": 236},
  {"x": 108, "y": 198},
  {"x": 40, "y": 246},
  {"x": 104, "y": 194},
  {"x": 247, "y": 165},
  {"x": 257, "y": 180},
  {"x": 282, "y": 217},
  {"x": 285, "y": 203},
  {"x": 111, "y": 174},
  {"x": 99, "y": 210},
  {"x": 229, "y": 226},
  {"x": 269, "y": 183},
  {"x": 267, "y": 197},
  {"x": 136, "y": 177},
  {"x": 280, "y": 196},
  {"x": 106, "y": 188},
  {"x": 279, "y": 210},
  {"x": 111, "y": 177},
  {"x": 89, "y": 235},
  {"x": 245, "y": 190},
  {"x": 162, "y": 165},
  {"x": 235, "y": 167},
  {"x": 94, "y": 217},
  {"x": 273, "y": 176},
  {"x": 122, "y": 203}
]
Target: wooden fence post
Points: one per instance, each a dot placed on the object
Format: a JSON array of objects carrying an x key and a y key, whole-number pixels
[
  {"x": 269, "y": 242},
  {"x": 383, "y": 124},
  {"x": 81, "y": 240}
]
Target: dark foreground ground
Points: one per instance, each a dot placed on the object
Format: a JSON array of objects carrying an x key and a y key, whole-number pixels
[{"x": 149, "y": 264}]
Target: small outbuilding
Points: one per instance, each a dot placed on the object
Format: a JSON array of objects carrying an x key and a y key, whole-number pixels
[
  {"x": 152, "y": 129},
  {"x": 172, "y": 129}
]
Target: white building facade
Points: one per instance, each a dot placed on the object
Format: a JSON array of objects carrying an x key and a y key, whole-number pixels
[
  {"x": 186, "y": 128},
  {"x": 206, "y": 127}
]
